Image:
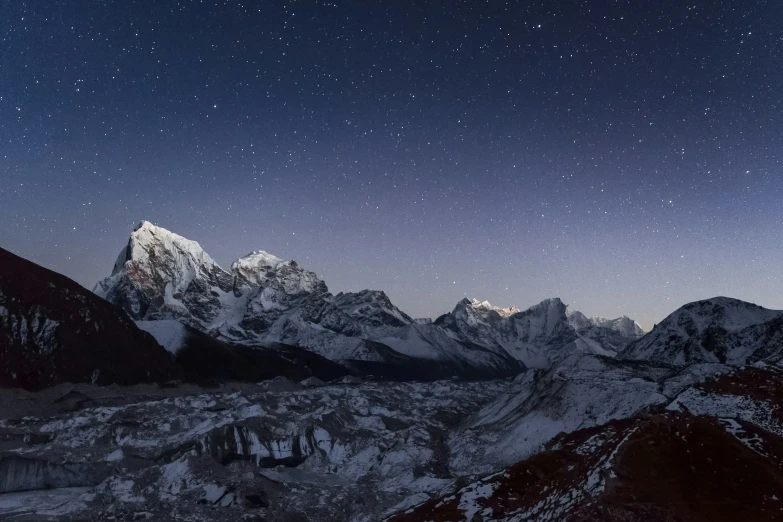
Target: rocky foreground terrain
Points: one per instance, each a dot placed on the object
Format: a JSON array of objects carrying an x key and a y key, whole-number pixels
[
  {"x": 587, "y": 441},
  {"x": 714, "y": 453},
  {"x": 273, "y": 451}
]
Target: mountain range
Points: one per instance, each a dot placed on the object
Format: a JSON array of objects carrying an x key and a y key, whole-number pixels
[
  {"x": 255, "y": 394},
  {"x": 263, "y": 300}
]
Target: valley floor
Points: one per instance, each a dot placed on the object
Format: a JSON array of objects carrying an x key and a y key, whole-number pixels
[
  {"x": 593, "y": 438},
  {"x": 278, "y": 450}
]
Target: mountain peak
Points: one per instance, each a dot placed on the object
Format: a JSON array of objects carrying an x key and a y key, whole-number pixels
[
  {"x": 482, "y": 307},
  {"x": 720, "y": 329},
  {"x": 143, "y": 224},
  {"x": 158, "y": 272},
  {"x": 149, "y": 240},
  {"x": 552, "y": 304},
  {"x": 365, "y": 296},
  {"x": 486, "y": 305},
  {"x": 255, "y": 265},
  {"x": 723, "y": 301},
  {"x": 725, "y": 312},
  {"x": 371, "y": 308}
]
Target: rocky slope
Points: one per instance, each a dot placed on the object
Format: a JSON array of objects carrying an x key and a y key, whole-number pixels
[
  {"x": 721, "y": 330},
  {"x": 582, "y": 391},
  {"x": 714, "y": 452},
  {"x": 52, "y": 330},
  {"x": 657, "y": 468},
  {"x": 265, "y": 301},
  {"x": 204, "y": 359}
]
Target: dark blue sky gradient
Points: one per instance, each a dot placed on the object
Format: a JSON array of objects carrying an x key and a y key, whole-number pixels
[{"x": 623, "y": 156}]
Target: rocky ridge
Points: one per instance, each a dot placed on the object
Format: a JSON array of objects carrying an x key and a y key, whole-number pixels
[
  {"x": 542, "y": 335},
  {"x": 52, "y": 330},
  {"x": 721, "y": 330}
]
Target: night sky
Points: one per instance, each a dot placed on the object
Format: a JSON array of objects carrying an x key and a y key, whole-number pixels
[{"x": 624, "y": 156}]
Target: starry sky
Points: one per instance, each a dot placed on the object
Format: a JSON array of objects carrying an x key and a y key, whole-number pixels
[{"x": 624, "y": 156}]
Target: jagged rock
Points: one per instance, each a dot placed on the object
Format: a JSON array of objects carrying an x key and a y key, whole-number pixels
[
  {"x": 25, "y": 474},
  {"x": 540, "y": 336}
]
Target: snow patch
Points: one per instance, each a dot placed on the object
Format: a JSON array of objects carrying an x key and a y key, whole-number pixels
[{"x": 169, "y": 333}]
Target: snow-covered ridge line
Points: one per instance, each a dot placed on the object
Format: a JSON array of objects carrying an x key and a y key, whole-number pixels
[
  {"x": 267, "y": 301},
  {"x": 264, "y": 300},
  {"x": 720, "y": 329}
]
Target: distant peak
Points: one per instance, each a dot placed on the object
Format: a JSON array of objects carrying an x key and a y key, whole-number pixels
[
  {"x": 367, "y": 291},
  {"x": 257, "y": 259},
  {"x": 720, "y": 303},
  {"x": 144, "y": 224},
  {"x": 552, "y": 302},
  {"x": 147, "y": 238},
  {"x": 365, "y": 294},
  {"x": 475, "y": 304},
  {"x": 151, "y": 228},
  {"x": 725, "y": 312},
  {"x": 256, "y": 264},
  {"x": 725, "y": 301}
]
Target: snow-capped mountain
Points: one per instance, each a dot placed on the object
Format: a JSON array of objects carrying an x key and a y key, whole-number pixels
[
  {"x": 52, "y": 330},
  {"x": 162, "y": 275},
  {"x": 264, "y": 300},
  {"x": 611, "y": 334},
  {"x": 541, "y": 335},
  {"x": 486, "y": 307},
  {"x": 624, "y": 325},
  {"x": 590, "y": 427},
  {"x": 721, "y": 330},
  {"x": 371, "y": 308}
]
